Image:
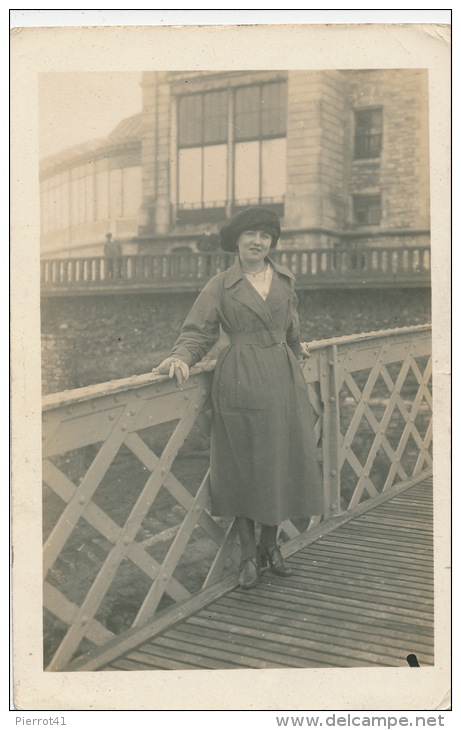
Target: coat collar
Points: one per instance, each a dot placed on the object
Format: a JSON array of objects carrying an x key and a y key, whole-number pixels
[
  {"x": 235, "y": 273},
  {"x": 243, "y": 291}
]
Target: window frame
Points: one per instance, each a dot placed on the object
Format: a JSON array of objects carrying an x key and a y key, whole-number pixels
[
  {"x": 372, "y": 200},
  {"x": 219, "y": 209},
  {"x": 365, "y": 140}
]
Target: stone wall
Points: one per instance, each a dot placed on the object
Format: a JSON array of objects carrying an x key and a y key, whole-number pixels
[
  {"x": 92, "y": 339},
  {"x": 401, "y": 174}
]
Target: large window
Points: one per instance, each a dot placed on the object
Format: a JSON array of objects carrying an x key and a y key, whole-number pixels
[
  {"x": 55, "y": 202},
  {"x": 231, "y": 150},
  {"x": 202, "y": 137},
  {"x": 88, "y": 193},
  {"x": 368, "y": 138},
  {"x": 260, "y": 144}
]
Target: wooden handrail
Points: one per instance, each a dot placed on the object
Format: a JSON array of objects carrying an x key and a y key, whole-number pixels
[{"x": 318, "y": 266}]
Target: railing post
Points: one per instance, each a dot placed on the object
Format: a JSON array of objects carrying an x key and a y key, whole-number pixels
[{"x": 330, "y": 438}]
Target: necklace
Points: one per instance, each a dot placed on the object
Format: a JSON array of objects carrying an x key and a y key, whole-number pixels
[{"x": 250, "y": 273}]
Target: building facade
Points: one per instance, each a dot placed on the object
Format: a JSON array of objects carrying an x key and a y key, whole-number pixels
[{"x": 342, "y": 156}]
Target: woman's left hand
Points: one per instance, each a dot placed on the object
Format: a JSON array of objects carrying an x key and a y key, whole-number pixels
[{"x": 305, "y": 353}]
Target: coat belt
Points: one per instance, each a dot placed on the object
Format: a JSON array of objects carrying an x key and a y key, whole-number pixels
[{"x": 264, "y": 338}]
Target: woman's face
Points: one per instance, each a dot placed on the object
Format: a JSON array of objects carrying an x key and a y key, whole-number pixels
[{"x": 253, "y": 247}]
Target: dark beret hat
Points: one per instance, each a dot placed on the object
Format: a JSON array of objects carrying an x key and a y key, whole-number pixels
[{"x": 248, "y": 220}]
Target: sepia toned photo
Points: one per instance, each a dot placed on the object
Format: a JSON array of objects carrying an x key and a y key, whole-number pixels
[{"x": 236, "y": 296}]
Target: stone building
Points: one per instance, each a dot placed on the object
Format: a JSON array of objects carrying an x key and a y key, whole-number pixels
[{"x": 341, "y": 155}]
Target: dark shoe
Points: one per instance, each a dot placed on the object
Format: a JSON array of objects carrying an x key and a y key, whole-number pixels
[
  {"x": 273, "y": 558},
  {"x": 249, "y": 573}
]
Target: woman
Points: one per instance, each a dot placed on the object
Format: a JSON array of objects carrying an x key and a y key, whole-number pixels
[{"x": 263, "y": 463}]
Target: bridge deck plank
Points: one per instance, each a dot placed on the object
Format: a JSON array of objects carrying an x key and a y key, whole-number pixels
[{"x": 359, "y": 596}]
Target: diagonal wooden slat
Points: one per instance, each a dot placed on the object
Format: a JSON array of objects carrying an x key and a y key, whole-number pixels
[
  {"x": 174, "y": 487},
  {"x": 105, "y": 576},
  {"x": 227, "y": 550},
  {"x": 65, "y": 610},
  {"x": 363, "y": 409},
  {"x": 359, "y": 470},
  {"x": 109, "y": 529},
  {"x": 409, "y": 419},
  {"x": 365, "y": 395},
  {"x": 422, "y": 379},
  {"x": 90, "y": 482},
  {"x": 157, "y": 589},
  {"x": 289, "y": 529},
  {"x": 375, "y": 446},
  {"x": 422, "y": 456},
  {"x": 409, "y": 425},
  {"x": 375, "y": 425}
]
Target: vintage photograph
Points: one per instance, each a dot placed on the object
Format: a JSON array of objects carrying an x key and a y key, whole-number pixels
[
  {"x": 290, "y": 211},
  {"x": 236, "y": 346}
]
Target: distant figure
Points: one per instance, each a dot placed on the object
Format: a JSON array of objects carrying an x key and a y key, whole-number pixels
[
  {"x": 209, "y": 241},
  {"x": 112, "y": 254}
]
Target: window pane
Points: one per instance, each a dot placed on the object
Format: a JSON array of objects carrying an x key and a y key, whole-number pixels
[
  {"x": 115, "y": 193},
  {"x": 131, "y": 191},
  {"x": 190, "y": 177},
  {"x": 102, "y": 195},
  {"x": 247, "y": 112},
  {"x": 367, "y": 209},
  {"x": 274, "y": 109},
  {"x": 74, "y": 199},
  {"x": 215, "y": 174},
  {"x": 190, "y": 120},
  {"x": 215, "y": 116},
  {"x": 65, "y": 205},
  {"x": 368, "y": 133},
  {"x": 89, "y": 198},
  {"x": 274, "y": 153},
  {"x": 81, "y": 200},
  {"x": 246, "y": 180}
]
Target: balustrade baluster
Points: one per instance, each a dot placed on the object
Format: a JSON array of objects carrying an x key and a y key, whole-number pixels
[
  {"x": 426, "y": 260},
  {"x": 330, "y": 263},
  {"x": 156, "y": 264},
  {"x": 405, "y": 260},
  {"x": 304, "y": 264},
  {"x": 366, "y": 260},
  {"x": 392, "y": 262}
]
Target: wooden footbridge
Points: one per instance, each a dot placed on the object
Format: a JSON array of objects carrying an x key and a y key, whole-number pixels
[{"x": 139, "y": 575}]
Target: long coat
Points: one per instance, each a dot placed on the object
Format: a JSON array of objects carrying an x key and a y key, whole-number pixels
[{"x": 264, "y": 463}]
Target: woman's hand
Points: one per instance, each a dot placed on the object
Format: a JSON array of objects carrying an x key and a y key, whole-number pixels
[
  {"x": 305, "y": 353},
  {"x": 173, "y": 367}
]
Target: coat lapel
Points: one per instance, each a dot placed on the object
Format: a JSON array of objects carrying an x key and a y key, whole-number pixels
[
  {"x": 242, "y": 291},
  {"x": 278, "y": 293}
]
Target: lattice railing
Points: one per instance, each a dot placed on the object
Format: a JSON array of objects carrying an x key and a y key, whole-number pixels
[{"x": 127, "y": 529}]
